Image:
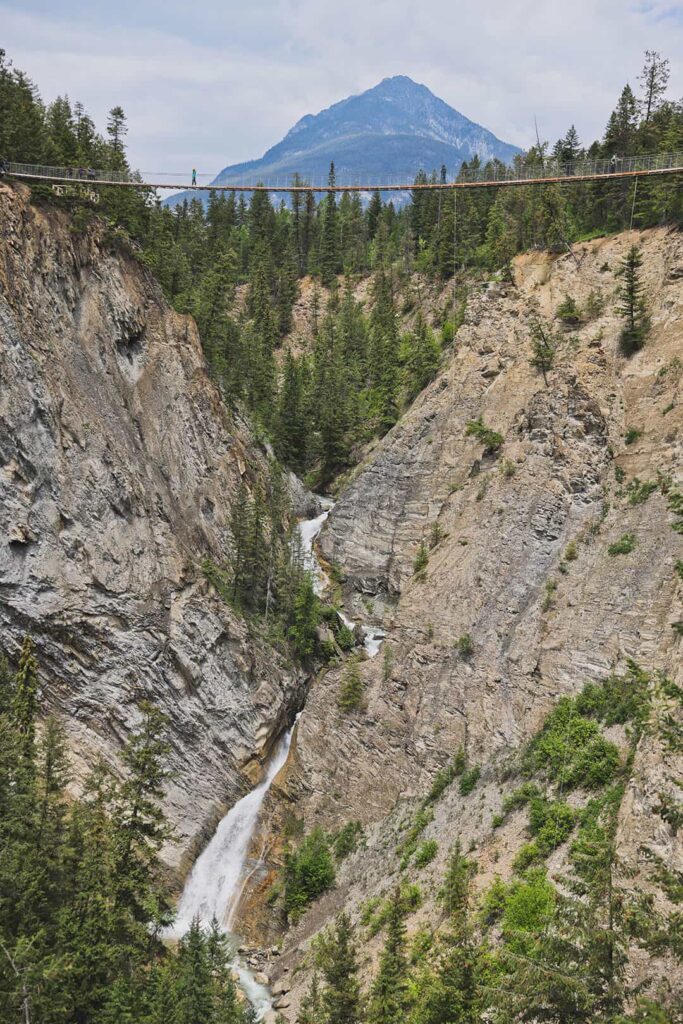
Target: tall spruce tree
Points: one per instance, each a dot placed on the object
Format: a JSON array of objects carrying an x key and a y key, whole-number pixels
[
  {"x": 341, "y": 998},
  {"x": 632, "y": 304},
  {"x": 329, "y": 242},
  {"x": 389, "y": 999}
]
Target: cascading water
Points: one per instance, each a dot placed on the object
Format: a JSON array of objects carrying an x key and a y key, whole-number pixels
[
  {"x": 215, "y": 884},
  {"x": 308, "y": 532}
]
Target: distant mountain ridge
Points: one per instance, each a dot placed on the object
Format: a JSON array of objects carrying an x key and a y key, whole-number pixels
[{"x": 393, "y": 130}]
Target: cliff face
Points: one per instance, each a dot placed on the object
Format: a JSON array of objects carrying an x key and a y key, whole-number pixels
[
  {"x": 118, "y": 466},
  {"x": 519, "y": 563}
]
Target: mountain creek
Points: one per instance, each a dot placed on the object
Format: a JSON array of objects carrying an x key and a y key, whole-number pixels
[{"x": 508, "y": 541}]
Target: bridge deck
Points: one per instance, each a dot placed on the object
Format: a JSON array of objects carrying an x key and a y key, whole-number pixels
[{"x": 654, "y": 165}]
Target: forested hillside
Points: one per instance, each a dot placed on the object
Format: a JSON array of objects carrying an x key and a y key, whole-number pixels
[{"x": 363, "y": 368}]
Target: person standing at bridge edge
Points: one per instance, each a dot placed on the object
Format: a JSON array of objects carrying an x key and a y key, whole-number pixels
[{"x": 194, "y": 176}]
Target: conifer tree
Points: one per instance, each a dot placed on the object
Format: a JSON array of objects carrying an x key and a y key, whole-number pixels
[
  {"x": 341, "y": 998},
  {"x": 329, "y": 243},
  {"x": 389, "y": 996},
  {"x": 654, "y": 79},
  {"x": 117, "y": 129},
  {"x": 306, "y": 615},
  {"x": 632, "y": 303},
  {"x": 421, "y": 358},
  {"x": 310, "y": 1011},
  {"x": 351, "y": 689},
  {"x": 543, "y": 349},
  {"x": 25, "y": 699}
]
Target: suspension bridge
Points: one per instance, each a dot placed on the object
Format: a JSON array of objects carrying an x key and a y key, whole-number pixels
[{"x": 487, "y": 176}]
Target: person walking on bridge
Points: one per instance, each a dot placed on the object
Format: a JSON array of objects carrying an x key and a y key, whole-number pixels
[{"x": 194, "y": 176}]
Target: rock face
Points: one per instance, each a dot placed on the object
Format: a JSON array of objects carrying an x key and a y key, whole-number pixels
[
  {"x": 518, "y": 562},
  {"x": 118, "y": 466}
]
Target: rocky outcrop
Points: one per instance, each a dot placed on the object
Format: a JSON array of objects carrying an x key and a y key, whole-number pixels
[
  {"x": 118, "y": 466},
  {"x": 518, "y": 562}
]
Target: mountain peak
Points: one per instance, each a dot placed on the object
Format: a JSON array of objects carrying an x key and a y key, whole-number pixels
[{"x": 392, "y": 130}]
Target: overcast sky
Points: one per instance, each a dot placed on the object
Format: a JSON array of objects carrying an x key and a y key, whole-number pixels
[{"x": 212, "y": 83}]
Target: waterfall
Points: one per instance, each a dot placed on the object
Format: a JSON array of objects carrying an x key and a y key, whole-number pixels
[
  {"x": 308, "y": 532},
  {"x": 214, "y": 885}
]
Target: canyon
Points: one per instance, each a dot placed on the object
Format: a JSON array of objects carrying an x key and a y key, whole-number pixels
[{"x": 120, "y": 464}]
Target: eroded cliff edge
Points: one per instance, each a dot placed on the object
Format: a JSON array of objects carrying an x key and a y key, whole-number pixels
[{"x": 118, "y": 466}]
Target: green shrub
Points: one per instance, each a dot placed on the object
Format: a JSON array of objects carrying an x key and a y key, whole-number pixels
[
  {"x": 594, "y": 305},
  {"x": 425, "y": 853},
  {"x": 623, "y": 546},
  {"x": 308, "y": 872},
  {"x": 345, "y": 638},
  {"x": 550, "y": 588},
  {"x": 551, "y": 823},
  {"x": 445, "y": 776},
  {"x": 520, "y": 797},
  {"x": 632, "y": 435},
  {"x": 570, "y": 552},
  {"x": 419, "y": 823},
  {"x": 351, "y": 689},
  {"x": 493, "y": 901},
  {"x": 571, "y": 751},
  {"x": 376, "y": 911},
  {"x": 421, "y": 561},
  {"x": 346, "y": 840},
  {"x": 422, "y": 943},
  {"x": 671, "y": 812},
  {"x": 568, "y": 311},
  {"x": 529, "y": 905},
  {"x": 679, "y": 568},
  {"x": 465, "y": 645},
  {"x": 527, "y": 855},
  {"x": 436, "y": 535},
  {"x": 509, "y": 468},
  {"x": 469, "y": 779},
  {"x": 638, "y": 492},
  {"x": 490, "y": 439}
]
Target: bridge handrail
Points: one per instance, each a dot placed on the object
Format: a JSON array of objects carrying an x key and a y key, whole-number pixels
[{"x": 519, "y": 171}]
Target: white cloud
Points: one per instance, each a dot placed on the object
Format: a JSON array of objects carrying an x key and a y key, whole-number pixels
[{"x": 220, "y": 82}]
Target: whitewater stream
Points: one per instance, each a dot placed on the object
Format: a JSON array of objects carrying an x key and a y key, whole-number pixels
[{"x": 216, "y": 882}]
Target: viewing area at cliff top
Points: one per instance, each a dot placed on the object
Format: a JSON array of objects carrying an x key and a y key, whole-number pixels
[{"x": 485, "y": 176}]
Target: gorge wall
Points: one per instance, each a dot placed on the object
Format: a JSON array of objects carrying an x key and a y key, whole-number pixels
[
  {"x": 118, "y": 467},
  {"x": 519, "y": 562}
]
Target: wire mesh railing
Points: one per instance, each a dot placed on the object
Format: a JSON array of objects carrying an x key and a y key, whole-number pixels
[{"x": 493, "y": 172}]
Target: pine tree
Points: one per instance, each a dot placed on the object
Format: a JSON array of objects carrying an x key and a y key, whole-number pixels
[
  {"x": 329, "y": 243},
  {"x": 117, "y": 129},
  {"x": 421, "y": 358},
  {"x": 632, "y": 303},
  {"x": 452, "y": 991},
  {"x": 341, "y": 997},
  {"x": 25, "y": 699},
  {"x": 389, "y": 996},
  {"x": 310, "y": 1011},
  {"x": 351, "y": 689},
  {"x": 194, "y": 984},
  {"x": 140, "y": 828},
  {"x": 305, "y": 619},
  {"x": 543, "y": 348},
  {"x": 654, "y": 79}
]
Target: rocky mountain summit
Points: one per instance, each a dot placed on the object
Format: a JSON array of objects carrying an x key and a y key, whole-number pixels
[
  {"x": 119, "y": 467},
  {"x": 393, "y": 130}
]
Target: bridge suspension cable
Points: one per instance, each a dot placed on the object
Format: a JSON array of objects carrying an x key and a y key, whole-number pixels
[{"x": 486, "y": 176}]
